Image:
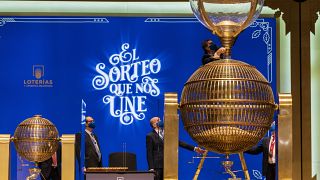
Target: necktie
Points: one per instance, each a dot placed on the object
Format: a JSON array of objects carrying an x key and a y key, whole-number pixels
[
  {"x": 161, "y": 134},
  {"x": 96, "y": 146},
  {"x": 272, "y": 146},
  {"x": 54, "y": 160}
]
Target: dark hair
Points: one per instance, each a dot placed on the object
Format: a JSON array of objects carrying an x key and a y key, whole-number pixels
[{"x": 205, "y": 44}]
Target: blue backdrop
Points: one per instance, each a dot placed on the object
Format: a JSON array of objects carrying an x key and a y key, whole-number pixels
[{"x": 121, "y": 67}]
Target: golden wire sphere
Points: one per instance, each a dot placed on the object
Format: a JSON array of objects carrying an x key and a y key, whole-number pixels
[
  {"x": 36, "y": 139},
  {"x": 227, "y": 106}
]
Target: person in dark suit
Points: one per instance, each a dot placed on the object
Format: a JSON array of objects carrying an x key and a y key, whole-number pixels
[
  {"x": 154, "y": 145},
  {"x": 51, "y": 168},
  {"x": 211, "y": 52},
  {"x": 93, "y": 156},
  {"x": 267, "y": 146}
]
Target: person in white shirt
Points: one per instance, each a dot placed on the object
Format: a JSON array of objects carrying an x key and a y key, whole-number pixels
[
  {"x": 154, "y": 145},
  {"x": 267, "y": 146},
  {"x": 93, "y": 156}
]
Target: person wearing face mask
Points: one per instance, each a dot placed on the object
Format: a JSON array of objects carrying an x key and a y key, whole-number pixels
[
  {"x": 154, "y": 145},
  {"x": 267, "y": 146},
  {"x": 211, "y": 52},
  {"x": 93, "y": 156}
]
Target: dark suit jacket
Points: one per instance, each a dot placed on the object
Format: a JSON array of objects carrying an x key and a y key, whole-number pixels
[
  {"x": 91, "y": 156},
  {"x": 155, "y": 150},
  {"x": 46, "y": 166},
  {"x": 263, "y": 147},
  {"x": 206, "y": 58}
]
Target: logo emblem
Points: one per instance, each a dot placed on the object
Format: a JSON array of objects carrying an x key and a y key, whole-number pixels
[
  {"x": 38, "y": 81},
  {"x": 38, "y": 71}
]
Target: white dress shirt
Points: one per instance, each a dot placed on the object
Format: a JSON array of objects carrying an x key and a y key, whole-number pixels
[{"x": 272, "y": 150}]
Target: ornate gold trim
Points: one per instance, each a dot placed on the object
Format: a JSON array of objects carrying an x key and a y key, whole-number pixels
[
  {"x": 68, "y": 157},
  {"x": 4, "y": 156},
  {"x": 285, "y": 153},
  {"x": 171, "y": 128}
]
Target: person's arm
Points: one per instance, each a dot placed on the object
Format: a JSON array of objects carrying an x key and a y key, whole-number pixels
[
  {"x": 149, "y": 152},
  {"x": 190, "y": 147},
  {"x": 219, "y": 53},
  {"x": 186, "y": 146},
  {"x": 256, "y": 149},
  {"x": 207, "y": 58}
]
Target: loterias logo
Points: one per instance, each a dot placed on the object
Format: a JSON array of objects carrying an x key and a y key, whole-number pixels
[
  {"x": 127, "y": 81},
  {"x": 38, "y": 81}
]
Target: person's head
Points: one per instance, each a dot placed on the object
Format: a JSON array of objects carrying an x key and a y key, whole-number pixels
[
  {"x": 90, "y": 124},
  {"x": 209, "y": 47},
  {"x": 154, "y": 122},
  {"x": 206, "y": 45},
  {"x": 273, "y": 128}
]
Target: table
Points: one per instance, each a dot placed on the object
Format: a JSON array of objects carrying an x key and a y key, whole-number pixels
[{"x": 120, "y": 175}]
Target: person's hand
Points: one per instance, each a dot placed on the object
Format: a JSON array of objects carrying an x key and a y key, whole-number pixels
[
  {"x": 220, "y": 51},
  {"x": 216, "y": 56},
  {"x": 199, "y": 150}
]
